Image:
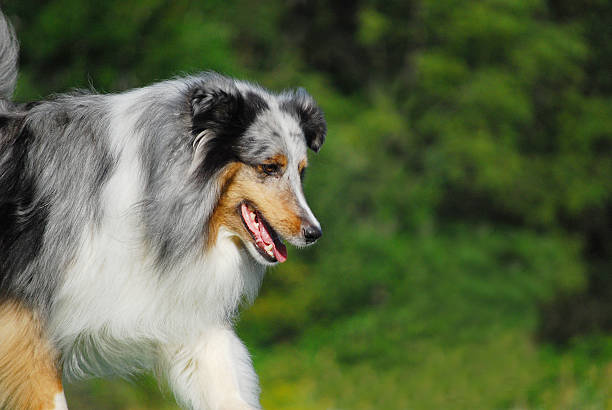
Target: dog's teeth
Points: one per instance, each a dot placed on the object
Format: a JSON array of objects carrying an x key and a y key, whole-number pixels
[
  {"x": 256, "y": 225},
  {"x": 252, "y": 214},
  {"x": 268, "y": 248},
  {"x": 270, "y": 253}
]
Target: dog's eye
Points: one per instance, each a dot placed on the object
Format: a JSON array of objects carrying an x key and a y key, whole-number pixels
[
  {"x": 270, "y": 169},
  {"x": 302, "y": 174}
]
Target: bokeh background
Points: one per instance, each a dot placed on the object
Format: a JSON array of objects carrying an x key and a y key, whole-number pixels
[{"x": 465, "y": 189}]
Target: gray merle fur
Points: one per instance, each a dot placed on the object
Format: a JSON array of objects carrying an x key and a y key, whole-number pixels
[{"x": 51, "y": 172}]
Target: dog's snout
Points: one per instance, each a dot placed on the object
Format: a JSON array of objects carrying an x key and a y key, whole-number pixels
[{"x": 311, "y": 232}]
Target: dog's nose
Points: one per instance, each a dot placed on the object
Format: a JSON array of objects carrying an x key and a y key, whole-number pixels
[{"x": 311, "y": 232}]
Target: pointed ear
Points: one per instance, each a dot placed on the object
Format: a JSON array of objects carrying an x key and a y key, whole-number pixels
[{"x": 310, "y": 116}]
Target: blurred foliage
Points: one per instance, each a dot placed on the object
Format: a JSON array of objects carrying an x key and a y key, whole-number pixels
[{"x": 464, "y": 189}]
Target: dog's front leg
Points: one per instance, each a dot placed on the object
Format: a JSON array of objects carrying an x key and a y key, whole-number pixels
[{"x": 213, "y": 373}]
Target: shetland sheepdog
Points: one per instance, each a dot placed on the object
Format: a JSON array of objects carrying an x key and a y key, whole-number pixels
[{"x": 133, "y": 225}]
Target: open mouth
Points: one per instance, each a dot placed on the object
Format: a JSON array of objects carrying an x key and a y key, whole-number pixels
[{"x": 266, "y": 239}]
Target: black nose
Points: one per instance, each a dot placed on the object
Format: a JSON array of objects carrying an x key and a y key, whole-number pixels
[{"x": 311, "y": 233}]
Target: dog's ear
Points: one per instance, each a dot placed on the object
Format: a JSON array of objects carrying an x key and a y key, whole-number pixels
[
  {"x": 213, "y": 108},
  {"x": 217, "y": 110},
  {"x": 312, "y": 120}
]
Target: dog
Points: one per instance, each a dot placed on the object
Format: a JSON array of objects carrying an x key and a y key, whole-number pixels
[{"x": 133, "y": 226}]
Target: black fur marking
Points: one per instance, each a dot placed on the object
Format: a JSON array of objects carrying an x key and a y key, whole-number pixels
[
  {"x": 301, "y": 105},
  {"x": 260, "y": 151},
  {"x": 227, "y": 114},
  {"x": 22, "y": 223}
]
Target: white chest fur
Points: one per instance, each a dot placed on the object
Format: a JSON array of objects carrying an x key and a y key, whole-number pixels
[{"x": 114, "y": 302}]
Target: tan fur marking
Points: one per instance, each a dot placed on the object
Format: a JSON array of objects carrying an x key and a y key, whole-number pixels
[
  {"x": 221, "y": 216},
  {"x": 303, "y": 164},
  {"x": 274, "y": 200},
  {"x": 29, "y": 378},
  {"x": 279, "y": 159}
]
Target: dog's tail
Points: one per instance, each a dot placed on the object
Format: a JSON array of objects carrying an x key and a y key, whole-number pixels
[{"x": 9, "y": 53}]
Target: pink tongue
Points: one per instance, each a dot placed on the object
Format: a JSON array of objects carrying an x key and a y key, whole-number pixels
[
  {"x": 280, "y": 253},
  {"x": 262, "y": 237}
]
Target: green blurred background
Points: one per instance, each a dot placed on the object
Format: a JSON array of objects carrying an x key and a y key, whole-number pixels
[{"x": 465, "y": 189}]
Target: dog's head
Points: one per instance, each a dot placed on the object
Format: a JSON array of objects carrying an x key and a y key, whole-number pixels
[{"x": 255, "y": 143}]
